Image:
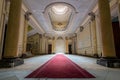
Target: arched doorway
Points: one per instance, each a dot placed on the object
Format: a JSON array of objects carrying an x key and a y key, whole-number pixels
[{"x": 60, "y": 45}]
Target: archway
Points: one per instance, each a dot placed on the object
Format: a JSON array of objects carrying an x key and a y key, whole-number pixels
[{"x": 60, "y": 45}]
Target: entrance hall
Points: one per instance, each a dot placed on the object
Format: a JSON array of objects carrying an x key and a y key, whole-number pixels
[{"x": 59, "y": 39}]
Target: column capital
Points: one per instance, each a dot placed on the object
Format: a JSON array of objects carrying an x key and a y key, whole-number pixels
[
  {"x": 53, "y": 38},
  {"x": 81, "y": 28},
  {"x": 92, "y": 16},
  {"x": 74, "y": 35},
  {"x": 66, "y": 38},
  {"x": 27, "y": 15}
]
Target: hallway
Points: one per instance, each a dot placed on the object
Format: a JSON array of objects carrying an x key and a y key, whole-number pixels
[
  {"x": 32, "y": 31},
  {"x": 89, "y": 64}
]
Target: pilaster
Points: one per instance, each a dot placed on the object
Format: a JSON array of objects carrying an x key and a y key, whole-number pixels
[{"x": 11, "y": 51}]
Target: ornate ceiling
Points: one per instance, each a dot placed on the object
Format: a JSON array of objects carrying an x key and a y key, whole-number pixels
[
  {"x": 60, "y": 15},
  {"x": 62, "y": 21}
]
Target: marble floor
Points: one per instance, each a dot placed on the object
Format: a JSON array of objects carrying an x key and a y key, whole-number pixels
[{"x": 31, "y": 64}]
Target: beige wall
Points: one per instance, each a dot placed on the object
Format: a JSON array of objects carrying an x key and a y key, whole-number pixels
[
  {"x": 84, "y": 41},
  {"x": 84, "y": 38}
]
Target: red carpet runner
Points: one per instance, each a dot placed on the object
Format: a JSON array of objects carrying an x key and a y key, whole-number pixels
[{"x": 60, "y": 67}]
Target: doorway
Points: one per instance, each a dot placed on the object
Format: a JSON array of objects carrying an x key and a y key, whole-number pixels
[
  {"x": 70, "y": 48},
  {"x": 50, "y": 49},
  {"x": 116, "y": 34},
  {"x": 60, "y": 45}
]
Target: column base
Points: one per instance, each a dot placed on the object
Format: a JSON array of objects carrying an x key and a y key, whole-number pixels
[
  {"x": 11, "y": 62},
  {"x": 26, "y": 55},
  {"x": 109, "y": 62}
]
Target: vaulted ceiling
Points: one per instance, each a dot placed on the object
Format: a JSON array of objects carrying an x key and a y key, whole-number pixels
[{"x": 70, "y": 21}]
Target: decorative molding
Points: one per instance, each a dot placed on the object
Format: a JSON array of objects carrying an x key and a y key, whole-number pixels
[
  {"x": 32, "y": 18},
  {"x": 81, "y": 28},
  {"x": 92, "y": 16},
  {"x": 66, "y": 38},
  {"x": 27, "y": 14},
  {"x": 60, "y": 37}
]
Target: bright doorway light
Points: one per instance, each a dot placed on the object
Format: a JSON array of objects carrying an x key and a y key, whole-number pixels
[{"x": 60, "y": 53}]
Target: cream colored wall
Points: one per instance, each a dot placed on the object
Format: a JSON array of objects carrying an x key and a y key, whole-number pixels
[
  {"x": 84, "y": 41},
  {"x": 84, "y": 38}
]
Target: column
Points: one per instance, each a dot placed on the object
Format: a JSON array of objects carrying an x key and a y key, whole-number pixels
[
  {"x": 119, "y": 10},
  {"x": 94, "y": 37},
  {"x": 108, "y": 50},
  {"x": 75, "y": 42},
  {"x": 43, "y": 44},
  {"x": 106, "y": 29},
  {"x": 93, "y": 33},
  {"x": 73, "y": 45},
  {"x": 46, "y": 45},
  {"x": 2, "y": 3},
  {"x": 25, "y": 31},
  {"x": 40, "y": 40},
  {"x": 11, "y": 50},
  {"x": 67, "y": 45},
  {"x": 1, "y": 8},
  {"x": 53, "y": 45},
  {"x": 12, "y": 34}
]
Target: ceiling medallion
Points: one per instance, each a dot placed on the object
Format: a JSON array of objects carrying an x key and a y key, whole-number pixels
[{"x": 60, "y": 24}]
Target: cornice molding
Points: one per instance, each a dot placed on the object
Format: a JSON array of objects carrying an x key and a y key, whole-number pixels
[
  {"x": 95, "y": 11},
  {"x": 25, "y": 9}
]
